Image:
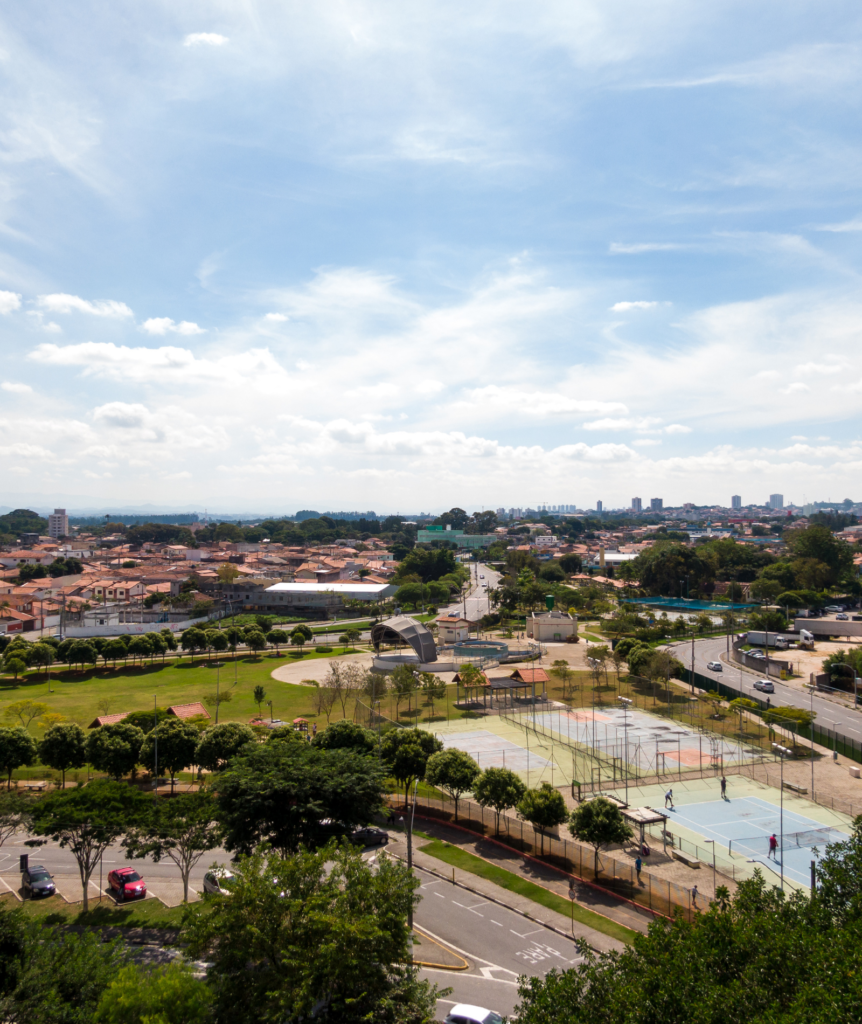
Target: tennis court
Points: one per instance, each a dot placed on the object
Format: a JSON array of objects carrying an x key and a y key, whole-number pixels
[
  {"x": 492, "y": 751},
  {"x": 743, "y": 826}
]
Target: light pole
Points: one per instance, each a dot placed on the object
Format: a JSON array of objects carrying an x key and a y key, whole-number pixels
[
  {"x": 218, "y": 674},
  {"x": 572, "y": 901},
  {"x": 712, "y": 841},
  {"x": 782, "y": 752},
  {"x": 271, "y": 719},
  {"x": 410, "y": 849},
  {"x": 626, "y": 703}
]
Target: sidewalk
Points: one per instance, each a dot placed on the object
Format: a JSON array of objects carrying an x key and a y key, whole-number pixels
[{"x": 587, "y": 896}]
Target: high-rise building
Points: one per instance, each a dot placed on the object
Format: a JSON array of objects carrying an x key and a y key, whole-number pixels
[
  {"x": 776, "y": 501},
  {"x": 637, "y": 505},
  {"x": 58, "y": 523},
  {"x": 688, "y": 506},
  {"x": 656, "y": 504},
  {"x": 598, "y": 506},
  {"x": 736, "y": 501}
]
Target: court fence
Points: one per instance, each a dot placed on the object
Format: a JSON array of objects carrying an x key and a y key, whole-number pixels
[{"x": 615, "y": 875}]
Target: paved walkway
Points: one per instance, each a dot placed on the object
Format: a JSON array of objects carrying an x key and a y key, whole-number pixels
[
  {"x": 587, "y": 896},
  {"x": 299, "y": 671}
]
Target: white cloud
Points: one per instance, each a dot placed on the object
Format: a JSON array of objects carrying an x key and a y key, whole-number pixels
[
  {"x": 162, "y": 325},
  {"x": 799, "y": 437},
  {"x": 645, "y": 423},
  {"x": 9, "y": 302},
  {"x": 62, "y": 303},
  {"x": 824, "y": 369},
  {"x": 677, "y": 428},
  {"x": 635, "y": 248},
  {"x": 797, "y": 388},
  {"x": 844, "y": 227},
  {"x": 205, "y": 39},
  {"x": 643, "y": 442},
  {"x": 535, "y": 404},
  {"x": 276, "y": 317},
  {"x": 622, "y": 307},
  {"x": 20, "y": 389}
]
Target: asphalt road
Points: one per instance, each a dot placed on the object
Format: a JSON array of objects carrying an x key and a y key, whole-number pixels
[
  {"x": 499, "y": 944},
  {"x": 476, "y": 601},
  {"x": 845, "y": 721}
]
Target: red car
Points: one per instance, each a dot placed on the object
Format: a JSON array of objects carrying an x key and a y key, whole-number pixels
[{"x": 127, "y": 884}]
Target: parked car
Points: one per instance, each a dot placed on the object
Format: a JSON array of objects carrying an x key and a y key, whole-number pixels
[
  {"x": 714, "y": 666},
  {"x": 464, "y": 1013},
  {"x": 842, "y": 617},
  {"x": 369, "y": 836},
  {"x": 834, "y": 608},
  {"x": 126, "y": 884},
  {"x": 218, "y": 880},
  {"x": 764, "y": 685},
  {"x": 35, "y": 881}
]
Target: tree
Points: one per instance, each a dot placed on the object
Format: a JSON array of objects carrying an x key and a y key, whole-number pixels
[
  {"x": 64, "y": 747},
  {"x": 82, "y": 652},
  {"x": 598, "y": 822},
  {"x": 14, "y": 813},
  {"x": 276, "y": 637},
  {"x": 222, "y": 742},
  {"x": 412, "y": 594},
  {"x": 544, "y": 808},
  {"x": 14, "y": 665},
  {"x": 17, "y": 749},
  {"x": 255, "y": 641},
  {"x": 433, "y": 687},
  {"x": 115, "y": 748},
  {"x": 259, "y": 697},
  {"x": 406, "y": 752},
  {"x": 279, "y": 792},
  {"x": 299, "y": 636},
  {"x": 227, "y": 572},
  {"x": 216, "y": 699},
  {"x": 114, "y": 649},
  {"x": 42, "y": 656},
  {"x": 347, "y": 735},
  {"x": 182, "y": 829},
  {"x": 320, "y": 933},
  {"x": 164, "y": 995},
  {"x": 177, "y": 744},
  {"x": 25, "y": 711},
  {"x": 499, "y": 788},
  {"x": 53, "y": 975},
  {"x": 403, "y": 682},
  {"x": 571, "y": 564},
  {"x": 87, "y": 820},
  {"x": 193, "y": 639},
  {"x": 563, "y": 672},
  {"x": 452, "y": 770},
  {"x": 139, "y": 647},
  {"x": 427, "y": 564},
  {"x": 217, "y": 641}
]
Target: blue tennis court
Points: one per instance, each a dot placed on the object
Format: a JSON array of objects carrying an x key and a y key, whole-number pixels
[{"x": 744, "y": 826}]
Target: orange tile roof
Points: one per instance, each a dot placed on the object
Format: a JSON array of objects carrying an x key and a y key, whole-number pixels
[{"x": 188, "y": 710}]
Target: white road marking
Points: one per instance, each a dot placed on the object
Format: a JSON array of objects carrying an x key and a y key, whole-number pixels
[
  {"x": 440, "y": 894},
  {"x": 497, "y": 923},
  {"x": 523, "y": 935},
  {"x": 478, "y": 977}
]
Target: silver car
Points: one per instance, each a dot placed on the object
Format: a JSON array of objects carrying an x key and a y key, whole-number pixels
[
  {"x": 764, "y": 685},
  {"x": 218, "y": 881},
  {"x": 464, "y": 1013},
  {"x": 714, "y": 666}
]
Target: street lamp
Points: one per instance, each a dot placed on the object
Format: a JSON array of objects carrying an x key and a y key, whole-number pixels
[
  {"x": 269, "y": 703},
  {"x": 410, "y": 849},
  {"x": 626, "y": 704},
  {"x": 782, "y": 752}
]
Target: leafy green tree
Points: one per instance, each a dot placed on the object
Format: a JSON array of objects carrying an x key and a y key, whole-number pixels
[
  {"x": 53, "y": 975},
  {"x": 276, "y": 637},
  {"x": 412, "y": 594},
  {"x": 114, "y": 649},
  {"x": 259, "y": 697},
  {"x": 222, "y": 742},
  {"x": 193, "y": 639},
  {"x": 571, "y": 564},
  {"x": 255, "y": 641},
  {"x": 433, "y": 687},
  {"x": 88, "y": 819},
  {"x": 64, "y": 747},
  {"x": 298, "y": 637},
  {"x": 42, "y": 656},
  {"x": 454, "y": 771},
  {"x": 499, "y": 788},
  {"x": 346, "y": 735},
  {"x": 819, "y": 544},
  {"x": 279, "y": 792},
  {"x": 403, "y": 682},
  {"x": 598, "y": 822},
  {"x": 25, "y": 711},
  {"x": 17, "y": 749},
  {"x": 82, "y": 652},
  {"x": 115, "y": 749},
  {"x": 324, "y": 934},
  {"x": 406, "y": 752},
  {"x": 181, "y": 829},
  {"x": 544, "y": 808},
  {"x": 14, "y": 665},
  {"x": 164, "y": 995},
  {"x": 427, "y": 564},
  {"x": 177, "y": 745},
  {"x": 768, "y": 621}
]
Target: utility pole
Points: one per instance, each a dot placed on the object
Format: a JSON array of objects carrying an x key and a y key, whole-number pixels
[
  {"x": 410, "y": 849},
  {"x": 156, "y": 743}
]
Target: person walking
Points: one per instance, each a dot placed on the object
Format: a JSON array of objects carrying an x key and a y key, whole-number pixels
[
  {"x": 773, "y": 848},
  {"x": 723, "y": 788},
  {"x": 638, "y": 865},
  {"x": 668, "y": 798},
  {"x": 694, "y": 895}
]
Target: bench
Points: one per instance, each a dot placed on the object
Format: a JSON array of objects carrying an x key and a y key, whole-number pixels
[
  {"x": 795, "y": 788},
  {"x": 691, "y": 862},
  {"x": 36, "y": 785}
]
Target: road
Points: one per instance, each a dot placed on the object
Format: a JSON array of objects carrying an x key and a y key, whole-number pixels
[
  {"x": 499, "y": 944},
  {"x": 476, "y": 600},
  {"x": 845, "y": 721}
]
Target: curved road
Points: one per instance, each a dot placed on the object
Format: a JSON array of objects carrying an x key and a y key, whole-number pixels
[{"x": 844, "y": 721}]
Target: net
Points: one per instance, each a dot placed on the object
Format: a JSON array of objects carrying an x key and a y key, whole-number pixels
[{"x": 791, "y": 840}]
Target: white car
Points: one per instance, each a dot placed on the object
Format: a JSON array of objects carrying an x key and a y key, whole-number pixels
[
  {"x": 464, "y": 1013},
  {"x": 834, "y": 608},
  {"x": 218, "y": 880},
  {"x": 714, "y": 666},
  {"x": 764, "y": 685}
]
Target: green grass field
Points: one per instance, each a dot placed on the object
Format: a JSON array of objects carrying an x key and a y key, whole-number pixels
[
  {"x": 458, "y": 858},
  {"x": 150, "y": 913}
]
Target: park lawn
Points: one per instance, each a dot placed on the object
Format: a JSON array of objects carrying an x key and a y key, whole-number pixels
[
  {"x": 458, "y": 858},
  {"x": 150, "y": 913}
]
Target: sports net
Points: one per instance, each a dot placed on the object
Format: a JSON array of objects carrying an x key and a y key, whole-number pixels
[{"x": 791, "y": 840}]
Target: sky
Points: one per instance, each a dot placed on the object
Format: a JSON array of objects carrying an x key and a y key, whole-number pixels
[{"x": 270, "y": 255}]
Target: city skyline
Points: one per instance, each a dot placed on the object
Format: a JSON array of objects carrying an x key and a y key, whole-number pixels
[{"x": 250, "y": 256}]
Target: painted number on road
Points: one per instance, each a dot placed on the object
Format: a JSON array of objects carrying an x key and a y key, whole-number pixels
[{"x": 538, "y": 951}]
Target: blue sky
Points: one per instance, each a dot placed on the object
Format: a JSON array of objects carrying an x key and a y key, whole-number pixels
[{"x": 397, "y": 256}]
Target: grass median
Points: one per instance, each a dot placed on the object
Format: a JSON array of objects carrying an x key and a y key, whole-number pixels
[
  {"x": 458, "y": 858},
  {"x": 150, "y": 913}
]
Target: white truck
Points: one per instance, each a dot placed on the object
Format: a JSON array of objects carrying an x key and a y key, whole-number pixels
[{"x": 763, "y": 639}]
